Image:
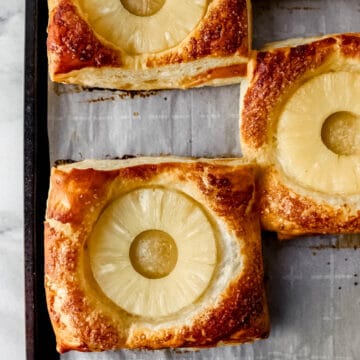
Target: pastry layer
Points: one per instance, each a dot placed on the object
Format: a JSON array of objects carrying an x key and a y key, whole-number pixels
[
  {"x": 230, "y": 307},
  {"x": 213, "y": 52},
  {"x": 299, "y": 114}
]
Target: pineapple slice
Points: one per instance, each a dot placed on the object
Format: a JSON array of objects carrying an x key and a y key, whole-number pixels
[
  {"x": 318, "y": 141},
  {"x": 153, "y": 252},
  {"x": 144, "y": 26}
]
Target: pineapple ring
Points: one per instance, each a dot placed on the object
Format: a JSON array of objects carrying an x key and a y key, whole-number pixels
[
  {"x": 135, "y": 34},
  {"x": 302, "y": 152},
  {"x": 140, "y": 211}
]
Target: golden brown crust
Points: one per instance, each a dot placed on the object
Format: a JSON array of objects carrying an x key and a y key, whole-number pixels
[
  {"x": 349, "y": 45},
  {"x": 223, "y": 31},
  {"x": 273, "y": 76},
  {"x": 73, "y": 45},
  {"x": 233, "y": 71},
  {"x": 85, "y": 320},
  {"x": 94, "y": 330},
  {"x": 78, "y": 55},
  {"x": 291, "y": 214}
]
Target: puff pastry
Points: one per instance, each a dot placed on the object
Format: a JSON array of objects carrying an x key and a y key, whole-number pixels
[
  {"x": 300, "y": 121},
  {"x": 100, "y": 297},
  {"x": 171, "y": 44}
]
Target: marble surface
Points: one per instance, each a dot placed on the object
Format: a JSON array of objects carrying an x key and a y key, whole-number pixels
[{"x": 12, "y": 309}]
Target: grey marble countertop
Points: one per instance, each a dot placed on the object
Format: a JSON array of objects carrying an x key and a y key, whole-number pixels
[{"x": 12, "y": 309}]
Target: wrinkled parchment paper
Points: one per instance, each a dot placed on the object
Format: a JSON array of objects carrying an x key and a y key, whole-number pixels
[{"x": 313, "y": 284}]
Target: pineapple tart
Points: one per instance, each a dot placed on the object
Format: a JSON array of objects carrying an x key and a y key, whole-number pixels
[
  {"x": 300, "y": 121},
  {"x": 154, "y": 253},
  {"x": 148, "y": 44}
]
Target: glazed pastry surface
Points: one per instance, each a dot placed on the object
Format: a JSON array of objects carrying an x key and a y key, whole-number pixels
[
  {"x": 300, "y": 120},
  {"x": 102, "y": 216},
  {"x": 181, "y": 45}
]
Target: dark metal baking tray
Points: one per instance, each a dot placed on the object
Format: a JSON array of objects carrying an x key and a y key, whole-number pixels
[{"x": 40, "y": 341}]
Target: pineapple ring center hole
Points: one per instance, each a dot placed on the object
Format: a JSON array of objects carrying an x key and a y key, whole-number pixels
[
  {"x": 143, "y": 7},
  {"x": 153, "y": 254},
  {"x": 341, "y": 133}
]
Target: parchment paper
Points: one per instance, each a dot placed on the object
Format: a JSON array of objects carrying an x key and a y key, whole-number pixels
[{"x": 314, "y": 283}]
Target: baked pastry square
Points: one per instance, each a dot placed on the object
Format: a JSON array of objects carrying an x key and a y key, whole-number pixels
[
  {"x": 142, "y": 45},
  {"x": 154, "y": 253},
  {"x": 300, "y": 120}
]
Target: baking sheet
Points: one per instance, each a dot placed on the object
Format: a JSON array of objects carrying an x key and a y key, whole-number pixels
[{"x": 313, "y": 284}]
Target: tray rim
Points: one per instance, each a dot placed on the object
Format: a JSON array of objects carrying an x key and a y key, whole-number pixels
[{"x": 40, "y": 339}]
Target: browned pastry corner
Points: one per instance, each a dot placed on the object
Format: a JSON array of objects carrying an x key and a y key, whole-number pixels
[
  {"x": 299, "y": 118},
  {"x": 179, "y": 45},
  {"x": 292, "y": 213},
  {"x": 100, "y": 297}
]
